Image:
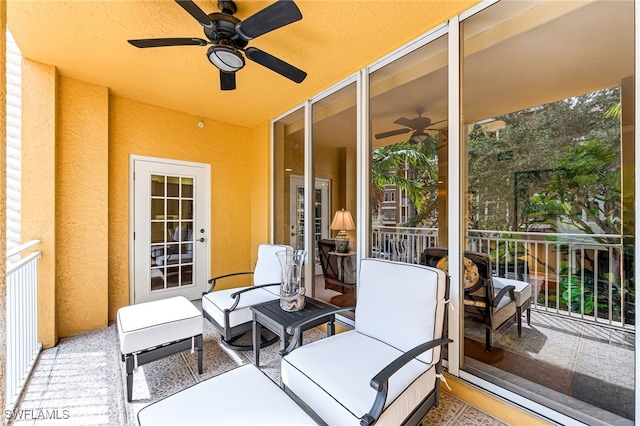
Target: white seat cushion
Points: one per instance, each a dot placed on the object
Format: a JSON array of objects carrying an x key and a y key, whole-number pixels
[
  {"x": 522, "y": 290},
  {"x": 242, "y": 396},
  {"x": 216, "y": 302},
  {"x": 151, "y": 324},
  {"x": 341, "y": 394}
]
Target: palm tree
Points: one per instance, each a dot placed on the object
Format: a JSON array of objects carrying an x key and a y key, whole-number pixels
[{"x": 387, "y": 164}]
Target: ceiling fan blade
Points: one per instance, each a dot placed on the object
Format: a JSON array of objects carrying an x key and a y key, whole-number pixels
[
  {"x": 196, "y": 12},
  {"x": 276, "y": 15},
  {"x": 405, "y": 122},
  {"x": 227, "y": 80},
  {"x": 392, "y": 133},
  {"x": 160, "y": 42},
  {"x": 275, "y": 64}
]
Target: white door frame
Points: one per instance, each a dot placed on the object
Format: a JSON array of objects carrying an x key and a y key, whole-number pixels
[
  {"x": 320, "y": 183},
  {"x": 207, "y": 219}
]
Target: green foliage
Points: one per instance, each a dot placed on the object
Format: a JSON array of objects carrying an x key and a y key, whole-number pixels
[
  {"x": 532, "y": 143},
  {"x": 574, "y": 292},
  {"x": 584, "y": 191},
  {"x": 389, "y": 163}
]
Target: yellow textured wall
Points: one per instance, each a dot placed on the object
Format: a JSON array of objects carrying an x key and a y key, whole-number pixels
[
  {"x": 260, "y": 187},
  {"x": 39, "y": 97},
  {"x": 82, "y": 206},
  {"x": 147, "y": 130}
]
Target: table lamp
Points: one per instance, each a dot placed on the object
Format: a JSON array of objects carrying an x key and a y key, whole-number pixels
[{"x": 342, "y": 222}]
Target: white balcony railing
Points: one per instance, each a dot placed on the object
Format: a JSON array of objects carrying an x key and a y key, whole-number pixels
[
  {"x": 22, "y": 320},
  {"x": 584, "y": 277}
]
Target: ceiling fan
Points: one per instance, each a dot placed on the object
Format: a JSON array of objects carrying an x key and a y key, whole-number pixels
[
  {"x": 418, "y": 125},
  {"x": 228, "y": 38}
]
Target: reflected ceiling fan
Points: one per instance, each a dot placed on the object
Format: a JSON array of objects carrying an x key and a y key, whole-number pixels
[
  {"x": 228, "y": 38},
  {"x": 418, "y": 125}
]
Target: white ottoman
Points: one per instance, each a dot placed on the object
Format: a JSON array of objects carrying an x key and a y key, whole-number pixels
[
  {"x": 522, "y": 293},
  {"x": 242, "y": 396},
  {"x": 153, "y": 330}
]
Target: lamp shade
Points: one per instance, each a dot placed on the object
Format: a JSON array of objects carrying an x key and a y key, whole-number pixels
[{"x": 342, "y": 221}]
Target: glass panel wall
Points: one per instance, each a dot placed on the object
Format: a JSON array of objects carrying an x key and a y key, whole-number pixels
[
  {"x": 335, "y": 170},
  {"x": 549, "y": 138},
  {"x": 547, "y": 173},
  {"x": 288, "y": 180},
  {"x": 408, "y": 119}
]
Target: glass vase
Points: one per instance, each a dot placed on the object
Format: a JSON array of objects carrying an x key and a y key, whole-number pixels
[{"x": 291, "y": 290}]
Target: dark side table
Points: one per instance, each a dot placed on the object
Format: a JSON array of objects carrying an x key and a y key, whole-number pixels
[{"x": 271, "y": 316}]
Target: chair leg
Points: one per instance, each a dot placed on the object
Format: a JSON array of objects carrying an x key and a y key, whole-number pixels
[
  {"x": 529, "y": 316},
  {"x": 129, "y": 370},
  {"x": 487, "y": 345},
  {"x": 199, "y": 345},
  {"x": 519, "y": 315}
]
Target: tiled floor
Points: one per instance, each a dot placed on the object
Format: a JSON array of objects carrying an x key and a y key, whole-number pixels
[{"x": 82, "y": 382}]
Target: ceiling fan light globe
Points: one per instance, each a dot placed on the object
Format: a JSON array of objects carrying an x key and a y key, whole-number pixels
[
  {"x": 225, "y": 58},
  {"x": 421, "y": 137}
]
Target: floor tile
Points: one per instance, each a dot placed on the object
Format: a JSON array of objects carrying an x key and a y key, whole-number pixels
[{"x": 82, "y": 381}]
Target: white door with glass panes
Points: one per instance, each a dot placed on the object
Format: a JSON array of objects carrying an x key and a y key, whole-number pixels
[
  {"x": 171, "y": 229},
  {"x": 322, "y": 195}
]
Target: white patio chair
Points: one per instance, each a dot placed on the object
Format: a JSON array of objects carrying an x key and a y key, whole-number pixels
[
  {"x": 387, "y": 368},
  {"x": 229, "y": 310}
]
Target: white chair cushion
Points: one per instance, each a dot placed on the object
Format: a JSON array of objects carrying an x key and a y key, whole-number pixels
[
  {"x": 397, "y": 303},
  {"x": 216, "y": 302},
  {"x": 242, "y": 396},
  {"x": 151, "y": 324},
  {"x": 341, "y": 394},
  {"x": 522, "y": 290},
  {"x": 267, "y": 270}
]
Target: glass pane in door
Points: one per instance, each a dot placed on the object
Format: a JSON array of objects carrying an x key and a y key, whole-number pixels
[{"x": 172, "y": 236}]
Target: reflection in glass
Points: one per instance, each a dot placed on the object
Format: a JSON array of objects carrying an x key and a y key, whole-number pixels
[
  {"x": 157, "y": 208},
  {"x": 173, "y": 186},
  {"x": 288, "y": 161},
  {"x": 187, "y": 187},
  {"x": 173, "y": 209},
  {"x": 335, "y": 169},
  {"x": 158, "y": 232},
  {"x": 409, "y": 127},
  {"x": 187, "y": 209},
  {"x": 549, "y": 143},
  {"x": 173, "y": 276},
  {"x": 288, "y": 180},
  {"x": 157, "y": 186}
]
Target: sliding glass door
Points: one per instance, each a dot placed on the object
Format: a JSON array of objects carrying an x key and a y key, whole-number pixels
[{"x": 549, "y": 136}]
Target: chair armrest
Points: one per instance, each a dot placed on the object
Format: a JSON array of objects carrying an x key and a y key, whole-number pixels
[
  {"x": 213, "y": 280},
  {"x": 236, "y": 295},
  {"x": 295, "y": 329},
  {"x": 381, "y": 380},
  {"x": 508, "y": 288}
]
